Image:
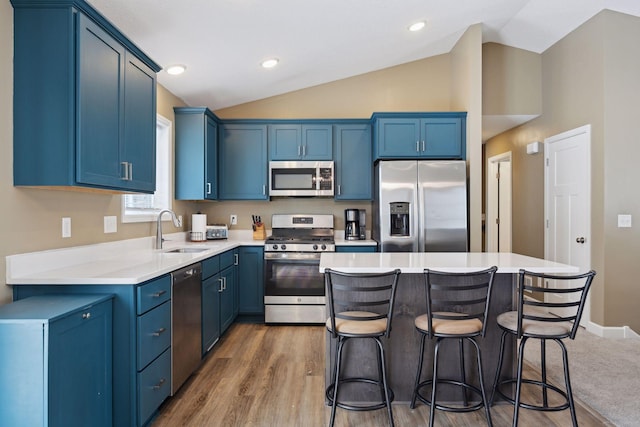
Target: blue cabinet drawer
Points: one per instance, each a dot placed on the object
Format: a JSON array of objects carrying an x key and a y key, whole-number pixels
[
  {"x": 154, "y": 334},
  {"x": 210, "y": 266},
  {"x": 154, "y": 386},
  {"x": 226, "y": 259},
  {"x": 154, "y": 293}
]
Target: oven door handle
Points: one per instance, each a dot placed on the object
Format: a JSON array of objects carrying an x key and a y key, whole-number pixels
[{"x": 292, "y": 256}]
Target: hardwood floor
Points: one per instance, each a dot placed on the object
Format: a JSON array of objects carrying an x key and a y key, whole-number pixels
[{"x": 266, "y": 376}]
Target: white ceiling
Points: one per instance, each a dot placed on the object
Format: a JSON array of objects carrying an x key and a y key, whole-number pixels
[{"x": 222, "y": 42}]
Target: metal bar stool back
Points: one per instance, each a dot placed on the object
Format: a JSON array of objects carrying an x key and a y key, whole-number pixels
[
  {"x": 457, "y": 307},
  {"x": 549, "y": 318},
  {"x": 360, "y": 306}
]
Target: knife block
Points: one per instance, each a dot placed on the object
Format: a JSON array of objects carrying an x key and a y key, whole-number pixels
[{"x": 259, "y": 233}]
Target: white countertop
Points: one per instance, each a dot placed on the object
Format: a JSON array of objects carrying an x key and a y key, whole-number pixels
[
  {"x": 124, "y": 262},
  {"x": 444, "y": 261}
]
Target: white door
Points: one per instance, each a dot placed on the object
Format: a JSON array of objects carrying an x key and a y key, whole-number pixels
[
  {"x": 568, "y": 203},
  {"x": 498, "y": 217}
]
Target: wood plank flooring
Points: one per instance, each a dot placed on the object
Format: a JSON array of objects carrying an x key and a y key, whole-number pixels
[{"x": 267, "y": 376}]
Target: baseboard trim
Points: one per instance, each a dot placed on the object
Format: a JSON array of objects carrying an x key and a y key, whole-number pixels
[{"x": 611, "y": 331}]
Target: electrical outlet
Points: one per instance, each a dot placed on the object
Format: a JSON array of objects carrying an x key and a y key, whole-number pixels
[
  {"x": 66, "y": 227},
  {"x": 110, "y": 224},
  {"x": 233, "y": 219}
]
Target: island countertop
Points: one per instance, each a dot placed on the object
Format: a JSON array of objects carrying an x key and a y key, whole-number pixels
[{"x": 407, "y": 262}]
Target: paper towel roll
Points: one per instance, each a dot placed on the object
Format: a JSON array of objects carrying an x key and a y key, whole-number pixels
[{"x": 198, "y": 227}]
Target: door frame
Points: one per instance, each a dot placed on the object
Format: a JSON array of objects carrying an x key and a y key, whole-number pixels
[{"x": 492, "y": 209}]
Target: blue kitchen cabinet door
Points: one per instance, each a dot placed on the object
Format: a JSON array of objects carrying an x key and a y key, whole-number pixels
[
  {"x": 227, "y": 297},
  {"x": 443, "y": 138},
  {"x": 300, "y": 142},
  {"x": 196, "y": 154},
  {"x": 421, "y": 136},
  {"x": 397, "y": 138},
  {"x": 251, "y": 280},
  {"x": 210, "y": 312},
  {"x": 353, "y": 162},
  {"x": 95, "y": 105},
  {"x": 356, "y": 248},
  {"x": 243, "y": 162},
  {"x": 56, "y": 361}
]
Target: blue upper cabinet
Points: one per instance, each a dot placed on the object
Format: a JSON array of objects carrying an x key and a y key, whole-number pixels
[
  {"x": 196, "y": 170},
  {"x": 300, "y": 142},
  {"x": 95, "y": 106},
  {"x": 243, "y": 162},
  {"x": 353, "y": 164},
  {"x": 420, "y": 135}
]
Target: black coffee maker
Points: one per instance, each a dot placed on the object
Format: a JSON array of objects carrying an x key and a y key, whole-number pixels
[{"x": 352, "y": 224}]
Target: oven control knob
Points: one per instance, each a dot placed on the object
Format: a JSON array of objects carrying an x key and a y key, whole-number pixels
[
  {"x": 324, "y": 247},
  {"x": 275, "y": 247},
  {"x": 283, "y": 247},
  {"x": 315, "y": 247}
]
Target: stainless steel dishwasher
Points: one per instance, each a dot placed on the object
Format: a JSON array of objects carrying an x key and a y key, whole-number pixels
[{"x": 186, "y": 323}]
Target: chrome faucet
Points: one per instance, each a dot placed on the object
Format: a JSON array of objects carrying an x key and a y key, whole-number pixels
[{"x": 176, "y": 222}]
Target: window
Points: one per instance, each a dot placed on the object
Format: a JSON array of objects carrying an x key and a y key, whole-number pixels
[{"x": 146, "y": 207}]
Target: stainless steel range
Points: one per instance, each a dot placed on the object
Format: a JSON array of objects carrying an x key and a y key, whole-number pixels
[{"x": 294, "y": 286}]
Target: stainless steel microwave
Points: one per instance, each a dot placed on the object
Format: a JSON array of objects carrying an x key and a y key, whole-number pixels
[{"x": 301, "y": 178}]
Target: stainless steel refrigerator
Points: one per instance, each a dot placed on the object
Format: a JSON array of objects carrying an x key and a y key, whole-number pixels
[{"x": 421, "y": 206}]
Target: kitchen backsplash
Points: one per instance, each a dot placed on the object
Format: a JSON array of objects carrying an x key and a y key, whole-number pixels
[{"x": 219, "y": 212}]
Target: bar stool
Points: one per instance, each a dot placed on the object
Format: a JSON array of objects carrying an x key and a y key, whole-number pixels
[
  {"x": 457, "y": 308},
  {"x": 360, "y": 306},
  {"x": 534, "y": 320}
]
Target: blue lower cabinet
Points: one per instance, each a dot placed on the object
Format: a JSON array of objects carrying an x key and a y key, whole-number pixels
[
  {"x": 137, "y": 309},
  {"x": 251, "y": 280},
  {"x": 56, "y": 361},
  {"x": 154, "y": 386},
  {"x": 355, "y": 249}
]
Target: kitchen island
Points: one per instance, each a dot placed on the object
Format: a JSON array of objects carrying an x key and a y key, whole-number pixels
[{"x": 402, "y": 347}]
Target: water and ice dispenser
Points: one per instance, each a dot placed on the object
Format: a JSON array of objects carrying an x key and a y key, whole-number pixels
[{"x": 399, "y": 217}]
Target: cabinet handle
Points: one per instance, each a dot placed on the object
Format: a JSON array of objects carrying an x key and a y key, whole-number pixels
[
  {"x": 158, "y": 294},
  {"x": 299, "y": 151},
  {"x": 86, "y": 315},
  {"x": 264, "y": 190},
  {"x": 160, "y": 384},
  {"x": 339, "y": 190},
  {"x": 158, "y": 332},
  {"x": 125, "y": 166},
  {"x": 208, "y": 188},
  {"x": 130, "y": 175},
  {"x": 418, "y": 146},
  {"x": 423, "y": 145},
  {"x": 236, "y": 260},
  {"x": 304, "y": 150},
  {"x": 221, "y": 288},
  {"x": 224, "y": 283}
]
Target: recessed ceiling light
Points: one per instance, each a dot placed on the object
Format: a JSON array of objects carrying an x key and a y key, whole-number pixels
[
  {"x": 417, "y": 26},
  {"x": 270, "y": 63},
  {"x": 174, "y": 70}
]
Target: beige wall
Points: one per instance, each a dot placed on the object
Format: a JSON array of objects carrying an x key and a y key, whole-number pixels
[
  {"x": 466, "y": 95},
  {"x": 416, "y": 86},
  {"x": 511, "y": 81},
  {"x": 587, "y": 78},
  {"x": 31, "y": 218}
]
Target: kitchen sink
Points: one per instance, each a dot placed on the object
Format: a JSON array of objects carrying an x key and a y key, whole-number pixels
[{"x": 186, "y": 250}]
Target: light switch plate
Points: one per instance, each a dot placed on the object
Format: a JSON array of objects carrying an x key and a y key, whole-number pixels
[
  {"x": 66, "y": 227},
  {"x": 110, "y": 224},
  {"x": 624, "y": 221}
]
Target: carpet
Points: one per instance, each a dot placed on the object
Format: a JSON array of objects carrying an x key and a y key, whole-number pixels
[{"x": 605, "y": 373}]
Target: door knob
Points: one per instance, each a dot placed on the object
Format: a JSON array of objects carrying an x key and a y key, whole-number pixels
[{"x": 580, "y": 240}]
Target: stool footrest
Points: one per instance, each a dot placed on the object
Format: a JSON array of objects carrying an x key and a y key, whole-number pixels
[
  {"x": 544, "y": 386},
  {"x": 363, "y": 407},
  {"x": 442, "y": 407}
]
